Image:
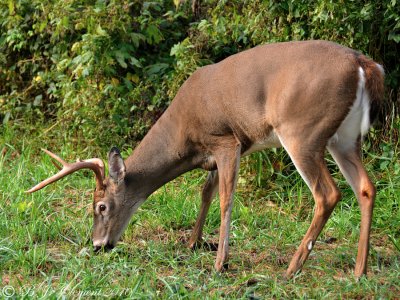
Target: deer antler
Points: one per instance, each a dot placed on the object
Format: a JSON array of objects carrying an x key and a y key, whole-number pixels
[{"x": 95, "y": 164}]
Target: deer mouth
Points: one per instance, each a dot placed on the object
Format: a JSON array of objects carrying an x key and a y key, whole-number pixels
[{"x": 107, "y": 247}]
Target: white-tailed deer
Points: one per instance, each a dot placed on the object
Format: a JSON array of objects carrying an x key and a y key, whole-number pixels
[{"x": 305, "y": 96}]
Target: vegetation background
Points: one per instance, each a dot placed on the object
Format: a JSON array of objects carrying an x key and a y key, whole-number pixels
[{"x": 80, "y": 76}]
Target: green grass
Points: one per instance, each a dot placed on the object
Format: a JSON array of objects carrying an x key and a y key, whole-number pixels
[{"x": 45, "y": 248}]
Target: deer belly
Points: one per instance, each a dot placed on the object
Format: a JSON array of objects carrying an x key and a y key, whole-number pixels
[{"x": 271, "y": 141}]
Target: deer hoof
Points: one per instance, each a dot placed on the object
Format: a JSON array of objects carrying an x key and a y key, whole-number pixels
[{"x": 220, "y": 268}]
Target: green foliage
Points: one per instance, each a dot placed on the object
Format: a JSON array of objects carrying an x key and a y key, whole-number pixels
[
  {"x": 103, "y": 71},
  {"x": 92, "y": 66}
]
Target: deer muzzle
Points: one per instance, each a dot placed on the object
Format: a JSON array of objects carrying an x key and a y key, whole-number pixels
[{"x": 99, "y": 245}]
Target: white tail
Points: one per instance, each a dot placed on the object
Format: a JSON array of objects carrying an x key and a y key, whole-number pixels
[{"x": 306, "y": 96}]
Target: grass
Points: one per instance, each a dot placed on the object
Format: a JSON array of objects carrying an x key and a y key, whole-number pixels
[{"x": 45, "y": 248}]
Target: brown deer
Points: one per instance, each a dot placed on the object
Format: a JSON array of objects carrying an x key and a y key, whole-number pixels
[{"x": 305, "y": 96}]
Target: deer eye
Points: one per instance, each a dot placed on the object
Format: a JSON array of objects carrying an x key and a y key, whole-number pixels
[{"x": 102, "y": 207}]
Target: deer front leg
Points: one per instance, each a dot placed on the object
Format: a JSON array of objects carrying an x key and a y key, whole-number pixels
[
  {"x": 228, "y": 167},
  {"x": 207, "y": 195}
]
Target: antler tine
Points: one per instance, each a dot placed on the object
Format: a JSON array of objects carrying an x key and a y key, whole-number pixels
[
  {"x": 53, "y": 159},
  {"x": 56, "y": 165},
  {"x": 95, "y": 164},
  {"x": 55, "y": 156}
]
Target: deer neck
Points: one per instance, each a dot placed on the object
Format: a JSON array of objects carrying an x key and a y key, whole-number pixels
[{"x": 160, "y": 157}]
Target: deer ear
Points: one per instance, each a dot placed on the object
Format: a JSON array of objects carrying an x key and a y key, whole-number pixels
[{"x": 116, "y": 166}]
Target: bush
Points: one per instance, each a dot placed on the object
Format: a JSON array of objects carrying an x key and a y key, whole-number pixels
[{"x": 92, "y": 67}]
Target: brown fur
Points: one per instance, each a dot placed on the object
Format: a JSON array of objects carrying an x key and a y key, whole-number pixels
[{"x": 374, "y": 84}]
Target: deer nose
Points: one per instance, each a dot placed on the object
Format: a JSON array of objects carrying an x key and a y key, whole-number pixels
[{"x": 106, "y": 247}]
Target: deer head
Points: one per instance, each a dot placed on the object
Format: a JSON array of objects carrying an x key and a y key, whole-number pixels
[{"x": 111, "y": 210}]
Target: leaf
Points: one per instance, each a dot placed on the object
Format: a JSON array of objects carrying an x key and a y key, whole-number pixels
[
  {"x": 128, "y": 84},
  {"x": 393, "y": 36},
  {"x": 384, "y": 165},
  {"x": 120, "y": 56},
  {"x": 132, "y": 77},
  {"x": 87, "y": 56},
  {"x": 156, "y": 69},
  {"x": 11, "y": 7},
  {"x": 6, "y": 118},
  {"x": 175, "y": 49},
  {"x": 75, "y": 46},
  {"x": 86, "y": 71},
  {"x": 38, "y": 100},
  {"x": 114, "y": 81},
  {"x": 42, "y": 25},
  {"x": 154, "y": 34},
  {"x": 121, "y": 62},
  {"x": 65, "y": 22},
  {"x": 79, "y": 26},
  {"x": 136, "y": 38},
  {"x": 134, "y": 62},
  {"x": 101, "y": 31},
  {"x": 77, "y": 60},
  {"x": 135, "y": 78}
]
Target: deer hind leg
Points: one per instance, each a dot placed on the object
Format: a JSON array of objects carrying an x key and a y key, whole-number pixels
[
  {"x": 308, "y": 157},
  {"x": 207, "y": 195},
  {"x": 348, "y": 158},
  {"x": 228, "y": 160}
]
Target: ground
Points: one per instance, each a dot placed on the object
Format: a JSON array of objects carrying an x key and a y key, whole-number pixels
[{"x": 45, "y": 247}]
